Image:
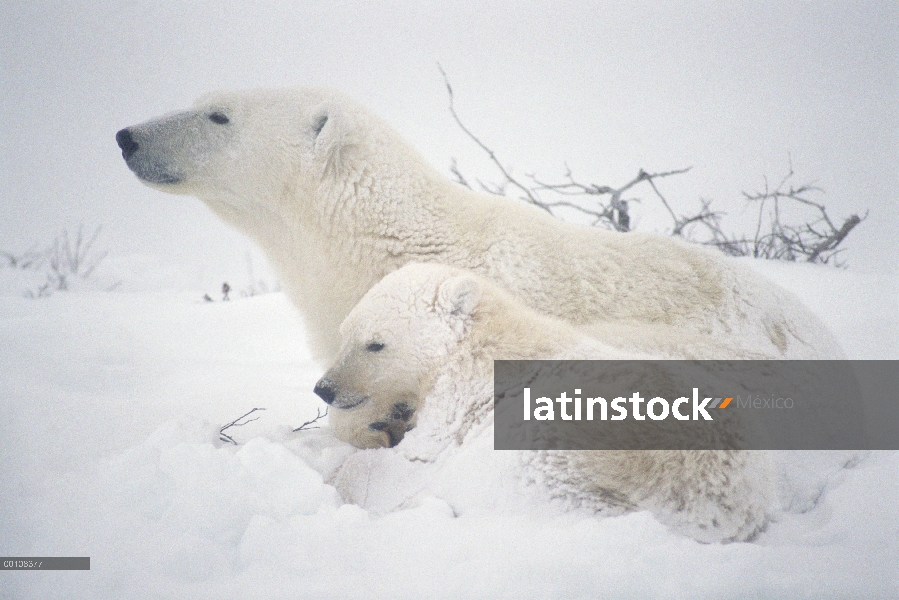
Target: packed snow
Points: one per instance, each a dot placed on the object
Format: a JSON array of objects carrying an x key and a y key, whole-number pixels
[{"x": 109, "y": 448}]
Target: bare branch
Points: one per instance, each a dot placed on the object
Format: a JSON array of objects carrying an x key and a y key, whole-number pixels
[
  {"x": 318, "y": 416},
  {"x": 616, "y": 213},
  {"x": 236, "y": 423},
  {"x": 833, "y": 240},
  {"x": 528, "y": 195},
  {"x": 460, "y": 179}
]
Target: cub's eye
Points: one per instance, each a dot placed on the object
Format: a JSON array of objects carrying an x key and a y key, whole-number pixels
[
  {"x": 219, "y": 118},
  {"x": 375, "y": 347}
]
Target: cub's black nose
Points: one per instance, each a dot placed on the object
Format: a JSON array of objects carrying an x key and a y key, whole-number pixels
[
  {"x": 126, "y": 143},
  {"x": 325, "y": 390}
]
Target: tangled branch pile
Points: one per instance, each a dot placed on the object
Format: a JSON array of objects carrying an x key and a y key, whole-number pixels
[{"x": 814, "y": 238}]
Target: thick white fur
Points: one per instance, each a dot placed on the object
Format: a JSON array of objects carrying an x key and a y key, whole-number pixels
[
  {"x": 440, "y": 329},
  {"x": 338, "y": 200}
]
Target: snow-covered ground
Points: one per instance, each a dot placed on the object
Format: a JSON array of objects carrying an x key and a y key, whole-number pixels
[{"x": 111, "y": 403}]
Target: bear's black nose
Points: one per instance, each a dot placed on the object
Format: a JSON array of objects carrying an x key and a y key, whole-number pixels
[
  {"x": 126, "y": 143},
  {"x": 325, "y": 390}
]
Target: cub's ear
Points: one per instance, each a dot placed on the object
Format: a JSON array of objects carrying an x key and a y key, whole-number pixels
[{"x": 459, "y": 296}]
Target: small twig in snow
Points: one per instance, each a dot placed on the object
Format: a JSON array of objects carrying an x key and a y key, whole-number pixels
[
  {"x": 236, "y": 423},
  {"x": 318, "y": 416}
]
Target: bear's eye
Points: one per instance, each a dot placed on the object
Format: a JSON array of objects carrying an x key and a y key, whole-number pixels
[
  {"x": 219, "y": 118},
  {"x": 375, "y": 347}
]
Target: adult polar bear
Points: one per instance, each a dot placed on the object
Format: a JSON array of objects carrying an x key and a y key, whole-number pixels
[{"x": 337, "y": 200}]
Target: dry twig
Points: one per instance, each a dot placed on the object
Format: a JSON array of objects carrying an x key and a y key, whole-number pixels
[
  {"x": 236, "y": 423},
  {"x": 318, "y": 416}
]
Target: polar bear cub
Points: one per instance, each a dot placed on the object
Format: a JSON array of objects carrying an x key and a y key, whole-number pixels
[{"x": 416, "y": 366}]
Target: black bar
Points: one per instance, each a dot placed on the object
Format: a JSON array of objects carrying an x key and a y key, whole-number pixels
[
  {"x": 674, "y": 405},
  {"x": 45, "y": 563}
]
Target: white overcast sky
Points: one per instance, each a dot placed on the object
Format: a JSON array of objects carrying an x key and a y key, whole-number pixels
[{"x": 731, "y": 88}]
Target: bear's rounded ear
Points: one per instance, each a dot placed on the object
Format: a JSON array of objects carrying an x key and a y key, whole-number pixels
[
  {"x": 459, "y": 296},
  {"x": 323, "y": 127},
  {"x": 319, "y": 123},
  {"x": 325, "y": 131}
]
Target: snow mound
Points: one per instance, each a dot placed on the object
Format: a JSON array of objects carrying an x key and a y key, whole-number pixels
[{"x": 109, "y": 448}]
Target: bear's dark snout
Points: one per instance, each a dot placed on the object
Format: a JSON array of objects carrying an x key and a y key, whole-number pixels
[
  {"x": 126, "y": 143},
  {"x": 324, "y": 389}
]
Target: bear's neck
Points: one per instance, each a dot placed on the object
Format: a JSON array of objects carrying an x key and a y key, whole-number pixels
[
  {"x": 385, "y": 204},
  {"x": 504, "y": 329},
  {"x": 330, "y": 243}
]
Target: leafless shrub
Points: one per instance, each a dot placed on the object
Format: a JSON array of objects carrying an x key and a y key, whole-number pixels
[
  {"x": 815, "y": 238},
  {"x": 614, "y": 213},
  {"x": 67, "y": 258}
]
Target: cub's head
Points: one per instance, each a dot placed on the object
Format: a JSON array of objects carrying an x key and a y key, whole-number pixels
[
  {"x": 237, "y": 149},
  {"x": 393, "y": 344}
]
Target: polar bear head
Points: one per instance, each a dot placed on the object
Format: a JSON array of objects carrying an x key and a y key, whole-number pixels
[
  {"x": 229, "y": 144},
  {"x": 259, "y": 157},
  {"x": 396, "y": 340},
  {"x": 326, "y": 188}
]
